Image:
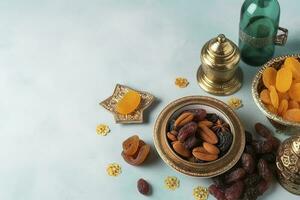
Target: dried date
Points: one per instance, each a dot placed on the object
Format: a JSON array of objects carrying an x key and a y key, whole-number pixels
[
  {"x": 235, "y": 191},
  {"x": 248, "y": 137},
  {"x": 191, "y": 142},
  {"x": 248, "y": 163},
  {"x": 264, "y": 170},
  {"x": 187, "y": 131},
  {"x": 262, "y": 147},
  {"x": 199, "y": 114},
  {"x": 236, "y": 175},
  {"x": 217, "y": 192},
  {"x": 143, "y": 186}
]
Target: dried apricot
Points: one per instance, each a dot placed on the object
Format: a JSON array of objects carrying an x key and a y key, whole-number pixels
[
  {"x": 283, "y": 107},
  {"x": 284, "y": 79},
  {"x": 292, "y": 115},
  {"x": 284, "y": 95},
  {"x": 274, "y": 97},
  {"x": 272, "y": 109},
  {"x": 269, "y": 76},
  {"x": 265, "y": 96},
  {"x": 130, "y": 101},
  {"x": 293, "y": 104},
  {"x": 294, "y": 92},
  {"x": 130, "y": 145},
  {"x": 140, "y": 158},
  {"x": 294, "y": 65}
]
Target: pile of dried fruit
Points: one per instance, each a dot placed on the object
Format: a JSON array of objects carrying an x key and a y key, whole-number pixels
[
  {"x": 198, "y": 136},
  {"x": 135, "y": 151},
  {"x": 282, "y": 93},
  {"x": 252, "y": 175}
]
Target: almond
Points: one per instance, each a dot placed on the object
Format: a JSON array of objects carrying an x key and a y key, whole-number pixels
[
  {"x": 181, "y": 150},
  {"x": 171, "y": 136},
  {"x": 210, "y": 148},
  {"x": 208, "y": 135},
  {"x": 183, "y": 119},
  {"x": 201, "y": 154},
  {"x": 205, "y": 123}
]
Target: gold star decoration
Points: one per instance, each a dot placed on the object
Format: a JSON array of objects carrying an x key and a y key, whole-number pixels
[
  {"x": 134, "y": 117},
  {"x": 171, "y": 182},
  {"x": 235, "y": 103},
  {"x": 181, "y": 82},
  {"x": 114, "y": 169}
]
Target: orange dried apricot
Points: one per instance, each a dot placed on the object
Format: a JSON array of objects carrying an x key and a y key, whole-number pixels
[
  {"x": 140, "y": 158},
  {"x": 292, "y": 115},
  {"x": 284, "y": 79},
  {"x": 284, "y": 95},
  {"x": 274, "y": 97},
  {"x": 265, "y": 96},
  {"x": 294, "y": 92},
  {"x": 283, "y": 107},
  {"x": 269, "y": 76},
  {"x": 272, "y": 109},
  {"x": 293, "y": 104},
  {"x": 294, "y": 65},
  {"x": 131, "y": 145},
  {"x": 130, "y": 101}
]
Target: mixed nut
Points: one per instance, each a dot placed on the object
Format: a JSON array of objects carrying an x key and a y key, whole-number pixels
[
  {"x": 252, "y": 175},
  {"x": 198, "y": 136}
]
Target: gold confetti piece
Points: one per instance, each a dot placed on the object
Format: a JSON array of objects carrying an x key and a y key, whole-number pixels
[
  {"x": 171, "y": 183},
  {"x": 114, "y": 169},
  {"x": 181, "y": 82},
  {"x": 102, "y": 129},
  {"x": 235, "y": 103},
  {"x": 200, "y": 193}
]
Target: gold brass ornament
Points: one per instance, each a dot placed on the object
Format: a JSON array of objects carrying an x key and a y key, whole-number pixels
[
  {"x": 288, "y": 164},
  {"x": 134, "y": 117},
  {"x": 219, "y": 73}
]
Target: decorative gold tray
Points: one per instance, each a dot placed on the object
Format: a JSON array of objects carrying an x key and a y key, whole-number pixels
[{"x": 134, "y": 117}]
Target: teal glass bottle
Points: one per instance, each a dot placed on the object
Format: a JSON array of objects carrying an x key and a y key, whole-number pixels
[{"x": 259, "y": 22}]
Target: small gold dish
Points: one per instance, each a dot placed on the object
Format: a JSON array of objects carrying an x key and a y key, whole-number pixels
[
  {"x": 134, "y": 117},
  {"x": 209, "y": 169},
  {"x": 278, "y": 122}
]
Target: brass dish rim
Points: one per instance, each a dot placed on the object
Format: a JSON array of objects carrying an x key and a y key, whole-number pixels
[
  {"x": 256, "y": 80},
  {"x": 209, "y": 169}
]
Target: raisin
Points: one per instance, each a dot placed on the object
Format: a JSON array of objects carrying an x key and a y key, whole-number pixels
[
  {"x": 143, "y": 186},
  {"x": 217, "y": 192},
  {"x": 187, "y": 131},
  {"x": 264, "y": 170},
  {"x": 248, "y": 137},
  {"x": 235, "y": 191},
  {"x": 199, "y": 114},
  {"x": 225, "y": 141},
  {"x": 235, "y": 175},
  {"x": 212, "y": 117},
  {"x": 284, "y": 78},
  {"x": 248, "y": 163}
]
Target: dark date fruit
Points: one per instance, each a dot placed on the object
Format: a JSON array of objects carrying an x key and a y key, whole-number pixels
[
  {"x": 262, "y": 147},
  {"x": 248, "y": 163},
  {"x": 251, "y": 193},
  {"x": 269, "y": 157},
  {"x": 217, "y": 192},
  {"x": 252, "y": 180},
  {"x": 248, "y": 137},
  {"x": 263, "y": 131},
  {"x": 262, "y": 186},
  {"x": 212, "y": 117},
  {"x": 264, "y": 171},
  {"x": 235, "y": 175},
  {"x": 191, "y": 142},
  {"x": 225, "y": 141},
  {"x": 235, "y": 191},
  {"x": 199, "y": 114},
  {"x": 143, "y": 186},
  {"x": 186, "y": 131}
]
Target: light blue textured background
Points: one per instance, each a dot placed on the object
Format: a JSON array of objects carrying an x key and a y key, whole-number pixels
[{"x": 60, "y": 58}]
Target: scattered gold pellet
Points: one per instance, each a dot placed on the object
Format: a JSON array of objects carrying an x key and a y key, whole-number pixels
[
  {"x": 102, "y": 129},
  {"x": 114, "y": 169},
  {"x": 200, "y": 193},
  {"x": 171, "y": 183},
  {"x": 181, "y": 82},
  {"x": 235, "y": 103}
]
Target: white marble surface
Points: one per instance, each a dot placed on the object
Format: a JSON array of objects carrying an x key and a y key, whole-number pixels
[{"x": 60, "y": 58}]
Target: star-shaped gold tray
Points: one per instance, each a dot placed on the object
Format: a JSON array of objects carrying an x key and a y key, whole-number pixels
[{"x": 134, "y": 117}]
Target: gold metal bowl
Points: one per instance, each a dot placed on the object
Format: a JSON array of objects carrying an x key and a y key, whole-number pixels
[
  {"x": 209, "y": 169},
  {"x": 278, "y": 122}
]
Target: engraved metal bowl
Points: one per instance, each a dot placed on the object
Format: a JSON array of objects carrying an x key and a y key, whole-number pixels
[
  {"x": 278, "y": 122},
  {"x": 209, "y": 169}
]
